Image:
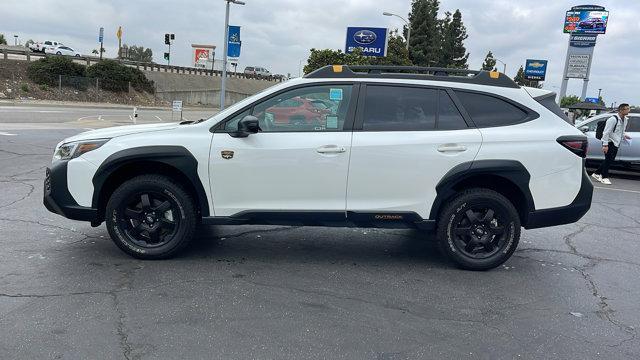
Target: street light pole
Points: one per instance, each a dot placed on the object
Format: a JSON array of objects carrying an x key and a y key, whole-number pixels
[
  {"x": 226, "y": 49},
  {"x": 405, "y": 21},
  {"x": 599, "y": 91},
  {"x": 502, "y": 62}
]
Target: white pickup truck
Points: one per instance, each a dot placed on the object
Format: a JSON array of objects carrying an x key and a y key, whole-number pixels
[{"x": 41, "y": 46}]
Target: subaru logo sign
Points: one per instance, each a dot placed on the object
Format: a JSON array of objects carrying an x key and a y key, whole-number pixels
[
  {"x": 369, "y": 41},
  {"x": 365, "y": 37}
]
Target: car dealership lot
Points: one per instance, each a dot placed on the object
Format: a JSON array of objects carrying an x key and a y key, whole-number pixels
[{"x": 290, "y": 292}]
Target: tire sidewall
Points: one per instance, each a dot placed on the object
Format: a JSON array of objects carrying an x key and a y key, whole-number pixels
[
  {"x": 114, "y": 217},
  {"x": 460, "y": 205}
]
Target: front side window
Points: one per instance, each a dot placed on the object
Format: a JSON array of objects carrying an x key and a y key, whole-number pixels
[
  {"x": 489, "y": 111},
  {"x": 294, "y": 110}
]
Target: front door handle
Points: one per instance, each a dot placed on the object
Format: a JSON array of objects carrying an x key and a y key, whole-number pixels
[
  {"x": 331, "y": 149},
  {"x": 452, "y": 148}
]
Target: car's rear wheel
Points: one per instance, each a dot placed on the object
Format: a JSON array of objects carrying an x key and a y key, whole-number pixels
[
  {"x": 151, "y": 217},
  {"x": 479, "y": 229},
  {"x": 58, "y": 53}
]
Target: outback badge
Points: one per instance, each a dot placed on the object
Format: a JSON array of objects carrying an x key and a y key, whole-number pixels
[{"x": 227, "y": 154}]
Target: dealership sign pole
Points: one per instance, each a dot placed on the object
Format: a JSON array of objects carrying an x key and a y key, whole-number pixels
[{"x": 583, "y": 23}]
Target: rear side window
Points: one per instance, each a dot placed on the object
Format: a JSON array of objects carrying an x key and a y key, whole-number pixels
[
  {"x": 549, "y": 102},
  {"x": 390, "y": 108},
  {"x": 449, "y": 117},
  {"x": 634, "y": 124},
  {"x": 489, "y": 111}
]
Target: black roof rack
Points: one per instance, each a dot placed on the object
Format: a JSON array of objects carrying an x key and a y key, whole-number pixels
[{"x": 479, "y": 77}]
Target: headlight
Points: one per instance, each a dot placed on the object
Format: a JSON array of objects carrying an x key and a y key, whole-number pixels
[{"x": 74, "y": 149}]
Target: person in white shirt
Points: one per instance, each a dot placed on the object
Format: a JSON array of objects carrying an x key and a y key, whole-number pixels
[{"x": 612, "y": 136}]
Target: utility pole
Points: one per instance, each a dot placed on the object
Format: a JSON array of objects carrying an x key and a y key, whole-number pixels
[
  {"x": 599, "y": 91},
  {"x": 226, "y": 49}
]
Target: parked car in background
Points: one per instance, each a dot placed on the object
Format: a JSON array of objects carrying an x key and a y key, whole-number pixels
[
  {"x": 298, "y": 111},
  {"x": 61, "y": 50},
  {"x": 257, "y": 71},
  {"x": 629, "y": 152},
  {"x": 42, "y": 46}
]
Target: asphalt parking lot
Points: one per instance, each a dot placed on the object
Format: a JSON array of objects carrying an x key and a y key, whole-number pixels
[{"x": 66, "y": 291}]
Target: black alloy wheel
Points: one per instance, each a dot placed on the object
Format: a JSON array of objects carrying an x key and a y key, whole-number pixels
[{"x": 149, "y": 219}]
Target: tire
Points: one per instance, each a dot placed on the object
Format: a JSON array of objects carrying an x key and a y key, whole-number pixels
[
  {"x": 58, "y": 53},
  {"x": 479, "y": 229},
  {"x": 155, "y": 227}
]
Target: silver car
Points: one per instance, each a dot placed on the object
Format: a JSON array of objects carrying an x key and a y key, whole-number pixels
[{"x": 628, "y": 154}]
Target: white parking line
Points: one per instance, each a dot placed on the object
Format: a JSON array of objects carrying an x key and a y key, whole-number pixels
[
  {"x": 7, "y": 134},
  {"x": 158, "y": 117},
  {"x": 614, "y": 189}
]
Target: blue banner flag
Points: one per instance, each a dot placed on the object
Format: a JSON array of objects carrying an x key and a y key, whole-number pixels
[{"x": 234, "y": 41}]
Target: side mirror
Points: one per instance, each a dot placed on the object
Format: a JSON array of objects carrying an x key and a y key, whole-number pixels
[
  {"x": 247, "y": 126},
  {"x": 584, "y": 129}
]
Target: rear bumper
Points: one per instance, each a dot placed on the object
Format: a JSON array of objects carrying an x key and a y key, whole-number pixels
[
  {"x": 57, "y": 198},
  {"x": 565, "y": 214}
]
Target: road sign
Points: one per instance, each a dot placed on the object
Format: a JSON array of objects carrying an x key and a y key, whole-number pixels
[
  {"x": 592, "y": 100},
  {"x": 371, "y": 41},
  {"x": 119, "y": 32},
  {"x": 101, "y": 35},
  {"x": 177, "y": 106},
  {"x": 535, "y": 70}
]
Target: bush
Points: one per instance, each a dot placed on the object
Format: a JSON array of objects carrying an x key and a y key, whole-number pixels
[
  {"x": 47, "y": 70},
  {"x": 116, "y": 77},
  {"x": 44, "y": 87},
  {"x": 24, "y": 88}
]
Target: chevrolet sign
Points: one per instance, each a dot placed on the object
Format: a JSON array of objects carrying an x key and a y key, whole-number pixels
[{"x": 535, "y": 70}]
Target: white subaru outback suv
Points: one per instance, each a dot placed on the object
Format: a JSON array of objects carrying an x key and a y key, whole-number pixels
[{"x": 467, "y": 154}]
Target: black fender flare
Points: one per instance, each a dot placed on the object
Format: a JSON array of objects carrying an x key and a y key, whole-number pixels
[
  {"x": 175, "y": 156},
  {"x": 509, "y": 170}
]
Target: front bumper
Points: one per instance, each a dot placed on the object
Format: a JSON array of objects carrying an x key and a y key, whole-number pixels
[
  {"x": 57, "y": 198},
  {"x": 565, "y": 214}
]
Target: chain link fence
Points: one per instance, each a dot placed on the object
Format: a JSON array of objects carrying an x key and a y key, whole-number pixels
[{"x": 82, "y": 83}]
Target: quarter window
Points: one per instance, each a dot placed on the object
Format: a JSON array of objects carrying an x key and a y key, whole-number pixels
[{"x": 488, "y": 111}]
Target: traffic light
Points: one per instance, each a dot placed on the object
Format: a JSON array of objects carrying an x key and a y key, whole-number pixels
[
  {"x": 166, "y": 39},
  {"x": 173, "y": 36},
  {"x": 166, "y": 56}
]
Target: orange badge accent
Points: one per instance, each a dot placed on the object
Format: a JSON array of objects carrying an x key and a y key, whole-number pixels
[
  {"x": 494, "y": 74},
  {"x": 337, "y": 68}
]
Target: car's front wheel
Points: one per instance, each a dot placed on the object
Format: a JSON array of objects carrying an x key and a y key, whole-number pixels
[
  {"x": 479, "y": 229},
  {"x": 151, "y": 217}
]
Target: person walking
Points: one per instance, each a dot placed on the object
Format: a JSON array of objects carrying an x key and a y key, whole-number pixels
[{"x": 612, "y": 135}]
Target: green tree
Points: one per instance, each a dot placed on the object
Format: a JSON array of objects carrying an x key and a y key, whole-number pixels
[
  {"x": 489, "y": 63},
  {"x": 453, "y": 53},
  {"x": 519, "y": 78},
  {"x": 3, "y": 41},
  {"x": 567, "y": 101},
  {"x": 29, "y": 42},
  {"x": 425, "y": 42},
  {"x": 136, "y": 53},
  {"x": 396, "y": 55}
]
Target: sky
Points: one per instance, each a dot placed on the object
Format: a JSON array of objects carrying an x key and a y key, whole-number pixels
[{"x": 277, "y": 34}]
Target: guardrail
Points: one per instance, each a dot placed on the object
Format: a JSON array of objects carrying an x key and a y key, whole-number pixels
[{"x": 28, "y": 54}]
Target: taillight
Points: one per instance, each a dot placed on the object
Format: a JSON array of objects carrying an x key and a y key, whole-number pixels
[{"x": 576, "y": 144}]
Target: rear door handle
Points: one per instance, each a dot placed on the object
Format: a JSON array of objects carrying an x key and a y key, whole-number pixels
[
  {"x": 331, "y": 149},
  {"x": 452, "y": 148}
]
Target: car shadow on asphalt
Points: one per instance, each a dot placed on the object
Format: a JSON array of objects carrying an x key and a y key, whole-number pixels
[{"x": 308, "y": 244}]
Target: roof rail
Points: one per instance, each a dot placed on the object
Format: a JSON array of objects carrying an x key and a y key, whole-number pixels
[{"x": 479, "y": 77}]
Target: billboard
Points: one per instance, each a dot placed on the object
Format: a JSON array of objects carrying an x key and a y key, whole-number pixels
[
  {"x": 578, "y": 66},
  {"x": 203, "y": 56},
  {"x": 586, "y": 21},
  {"x": 583, "y": 40},
  {"x": 535, "y": 70},
  {"x": 372, "y": 41}
]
